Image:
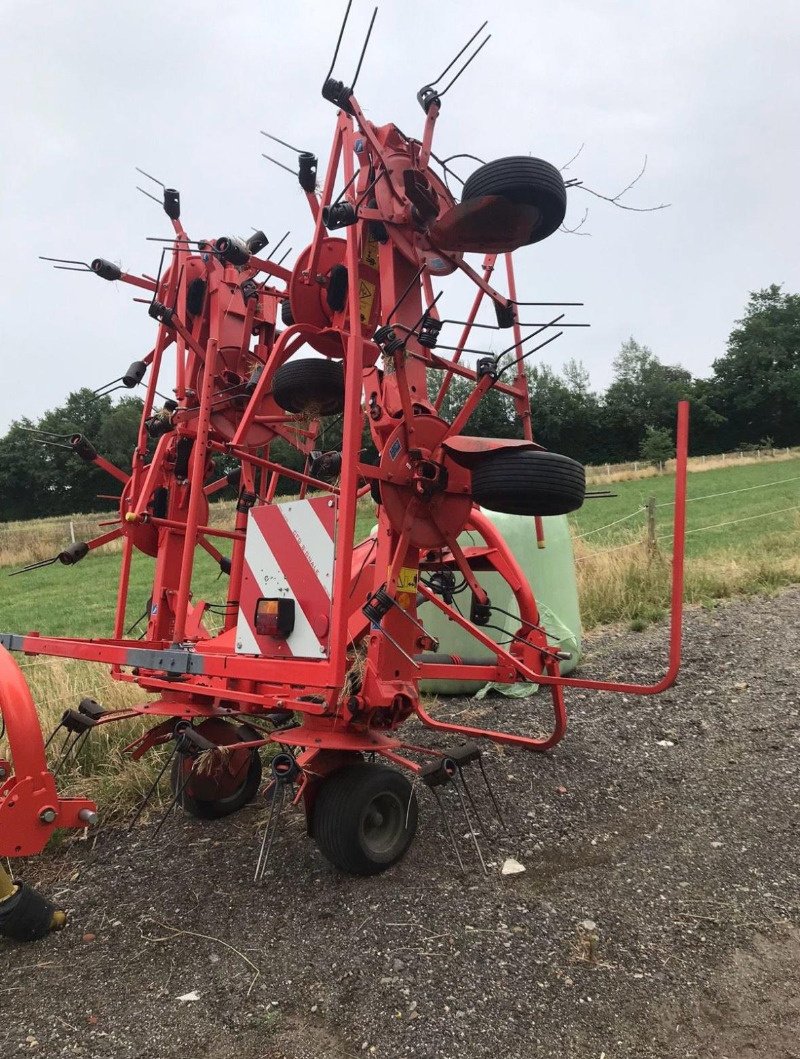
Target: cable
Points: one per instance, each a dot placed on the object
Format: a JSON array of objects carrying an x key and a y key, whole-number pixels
[
  {"x": 730, "y": 492},
  {"x": 616, "y": 522}
]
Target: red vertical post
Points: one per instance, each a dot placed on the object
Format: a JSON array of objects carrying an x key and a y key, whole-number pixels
[{"x": 196, "y": 495}]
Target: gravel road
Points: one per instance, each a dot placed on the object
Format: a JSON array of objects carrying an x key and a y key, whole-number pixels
[{"x": 658, "y": 914}]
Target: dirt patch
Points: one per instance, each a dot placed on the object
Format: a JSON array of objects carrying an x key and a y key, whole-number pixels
[{"x": 658, "y": 915}]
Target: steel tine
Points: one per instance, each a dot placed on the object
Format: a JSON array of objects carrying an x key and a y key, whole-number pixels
[
  {"x": 492, "y": 795},
  {"x": 273, "y": 786},
  {"x": 472, "y": 802},
  {"x": 279, "y": 810},
  {"x": 55, "y": 732},
  {"x": 155, "y": 783},
  {"x": 66, "y": 747},
  {"x": 78, "y": 745},
  {"x": 447, "y": 827},
  {"x": 178, "y": 797},
  {"x": 266, "y": 830},
  {"x": 469, "y": 825}
]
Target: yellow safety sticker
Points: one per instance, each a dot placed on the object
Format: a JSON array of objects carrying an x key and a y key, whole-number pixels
[
  {"x": 366, "y": 296},
  {"x": 369, "y": 255},
  {"x": 407, "y": 580}
]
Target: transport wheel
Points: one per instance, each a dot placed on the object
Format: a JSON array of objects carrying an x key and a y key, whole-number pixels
[
  {"x": 365, "y": 818},
  {"x": 310, "y": 384},
  {"x": 528, "y": 482},
  {"x": 524, "y": 181},
  {"x": 221, "y": 782},
  {"x": 286, "y": 313}
]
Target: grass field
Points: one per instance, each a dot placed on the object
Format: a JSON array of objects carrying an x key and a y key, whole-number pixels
[{"x": 743, "y": 537}]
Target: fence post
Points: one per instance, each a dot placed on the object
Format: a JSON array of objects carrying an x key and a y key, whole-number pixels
[
  {"x": 652, "y": 545},
  {"x": 72, "y": 531}
]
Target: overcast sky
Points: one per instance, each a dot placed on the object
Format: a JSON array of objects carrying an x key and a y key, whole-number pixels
[{"x": 709, "y": 90}]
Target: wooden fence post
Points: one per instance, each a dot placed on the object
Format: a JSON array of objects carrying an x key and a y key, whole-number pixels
[{"x": 652, "y": 544}]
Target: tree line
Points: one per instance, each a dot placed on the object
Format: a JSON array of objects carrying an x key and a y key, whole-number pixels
[{"x": 752, "y": 398}]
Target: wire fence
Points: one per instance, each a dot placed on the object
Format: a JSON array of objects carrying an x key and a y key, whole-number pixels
[
  {"x": 610, "y": 472},
  {"x": 653, "y": 538}
]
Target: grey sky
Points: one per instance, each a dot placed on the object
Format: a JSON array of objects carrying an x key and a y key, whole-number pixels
[{"x": 708, "y": 90}]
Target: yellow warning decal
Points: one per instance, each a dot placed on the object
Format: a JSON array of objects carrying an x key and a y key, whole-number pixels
[
  {"x": 407, "y": 580},
  {"x": 366, "y": 296},
  {"x": 369, "y": 255}
]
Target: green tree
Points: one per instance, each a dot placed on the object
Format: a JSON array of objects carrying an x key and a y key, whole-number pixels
[
  {"x": 657, "y": 446},
  {"x": 758, "y": 379}
]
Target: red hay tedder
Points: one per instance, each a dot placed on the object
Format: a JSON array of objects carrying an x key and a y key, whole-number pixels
[{"x": 323, "y": 641}]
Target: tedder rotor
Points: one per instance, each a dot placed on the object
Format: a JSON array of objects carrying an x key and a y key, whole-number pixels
[{"x": 323, "y": 644}]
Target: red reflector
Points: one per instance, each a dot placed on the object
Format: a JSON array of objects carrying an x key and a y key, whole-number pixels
[{"x": 274, "y": 617}]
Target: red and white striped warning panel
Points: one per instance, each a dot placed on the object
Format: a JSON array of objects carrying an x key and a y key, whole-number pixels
[{"x": 287, "y": 580}]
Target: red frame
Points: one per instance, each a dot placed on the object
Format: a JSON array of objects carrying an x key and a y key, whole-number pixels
[{"x": 196, "y": 675}]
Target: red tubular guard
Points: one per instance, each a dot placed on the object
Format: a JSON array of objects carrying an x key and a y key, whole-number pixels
[{"x": 30, "y": 808}]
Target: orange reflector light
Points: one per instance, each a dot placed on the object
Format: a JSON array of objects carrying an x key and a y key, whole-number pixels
[{"x": 274, "y": 617}]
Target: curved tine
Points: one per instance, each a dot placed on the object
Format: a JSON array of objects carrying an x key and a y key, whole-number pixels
[
  {"x": 153, "y": 786},
  {"x": 364, "y": 49},
  {"x": 469, "y": 825},
  {"x": 282, "y": 239},
  {"x": 153, "y": 197},
  {"x": 178, "y": 798},
  {"x": 34, "y": 566},
  {"x": 282, "y": 166},
  {"x": 469, "y": 61},
  {"x": 472, "y": 801},
  {"x": 492, "y": 794},
  {"x": 49, "y": 433},
  {"x": 64, "y": 261},
  {"x": 154, "y": 179},
  {"x": 447, "y": 827},
  {"x": 283, "y": 143},
  {"x": 339, "y": 41},
  {"x": 282, "y": 790},
  {"x": 453, "y": 61}
]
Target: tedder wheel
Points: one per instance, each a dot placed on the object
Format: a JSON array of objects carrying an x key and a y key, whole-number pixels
[
  {"x": 525, "y": 181},
  {"x": 365, "y": 818},
  {"x": 529, "y": 482},
  {"x": 222, "y": 782},
  {"x": 310, "y": 385}
]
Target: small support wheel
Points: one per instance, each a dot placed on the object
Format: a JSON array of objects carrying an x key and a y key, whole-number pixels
[
  {"x": 310, "y": 385},
  {"x": 528, "y": 482},
  {"x": 218, "y": 782},
  {"x": 365, "y": 818},
  {"x": 524, "y": 181}
]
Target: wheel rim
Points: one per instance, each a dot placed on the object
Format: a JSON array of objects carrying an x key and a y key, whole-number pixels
[
  {"x": 221, "y": 775},
  {"x": 382, "y": 825}
]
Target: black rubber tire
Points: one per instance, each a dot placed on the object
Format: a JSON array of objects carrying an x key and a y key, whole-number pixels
[
  {"x": 310, "y": 384},
  {"x": 529, "y": 482},
  {"x": 219, "y": 807},
  {"x": 346, "y": 827},
  {"x": 286, "y": 313},
  {"x": 526, "y": 181},
  {"x": 26, "y": 915}
]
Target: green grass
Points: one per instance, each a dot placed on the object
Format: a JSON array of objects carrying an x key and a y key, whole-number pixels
[
  {"x": 81, "y": 600},
  {"x": 759, "y": 554},
  {"x": 780, "y": 530}
]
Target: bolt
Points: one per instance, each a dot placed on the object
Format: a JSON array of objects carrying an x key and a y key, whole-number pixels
[
  {"x": 47, "y": 816},
  {"x": 88, "y": 817}
]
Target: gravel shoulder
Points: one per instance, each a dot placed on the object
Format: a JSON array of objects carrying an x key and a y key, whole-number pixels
[{"x": 658, "y": 915}]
